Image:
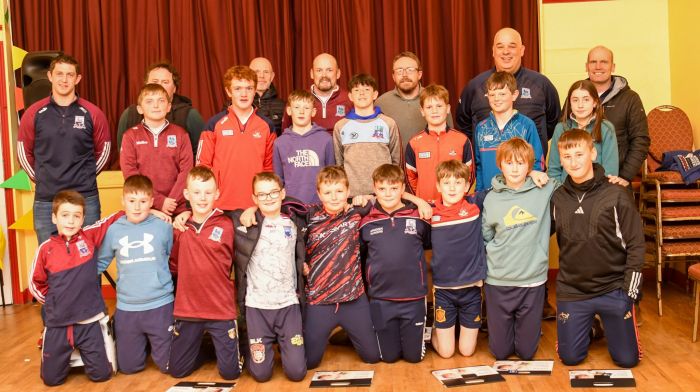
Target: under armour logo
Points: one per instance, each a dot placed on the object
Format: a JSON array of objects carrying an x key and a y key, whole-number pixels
[{"x": 126, "y": 245}]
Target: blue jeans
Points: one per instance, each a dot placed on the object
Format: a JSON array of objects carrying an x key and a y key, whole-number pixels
[{"x": 43, "y": 225}]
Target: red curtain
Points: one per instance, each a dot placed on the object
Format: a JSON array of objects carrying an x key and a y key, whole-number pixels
[{"x": 116, "y": 40}]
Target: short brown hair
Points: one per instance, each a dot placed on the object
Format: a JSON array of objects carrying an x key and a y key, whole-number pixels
[
  {"x": 516, "y": 148},
  {"x": 67, "y": 196},
  {"x": 65, "y": 59},
  {"x": 499, "y": 79},
  {"x": 363, "y": 79},
  {"x": 167, "y": 66},
  {"x": 138, "y": 184},
  {"x": 434, "y": 91},
  {"x": 240, "y": 72},
  {"x": 300, "y": 95},
  {"x": 332, "y": 175},
  {"x": 389, "y": 173},
  {"x": 452, "y": 168},
  {"x": 573, "y": 138},
  {"x": 150, "y": 89},
  {"x": 201, "y": 173},
  {"x": 267, "y": 176},
  {"x": 410, "y": 55}
]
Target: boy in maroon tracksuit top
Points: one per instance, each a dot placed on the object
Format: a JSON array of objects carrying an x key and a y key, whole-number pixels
[
  {"x": 158, "y": 150},
  {"x": 395, "y": 267},
  {"x": 64, "y": 278},
  {"x": 201, "y": 258}
]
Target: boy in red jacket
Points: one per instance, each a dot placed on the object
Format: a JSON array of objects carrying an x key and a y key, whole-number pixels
[{"x": 201, "y": 259}]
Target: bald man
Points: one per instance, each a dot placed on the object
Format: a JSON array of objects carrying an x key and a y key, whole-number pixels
[
  {"x": 623, "y": 108},
  {"x": 332, "y": 102},
  {"x": 266, "y": 100},
  {"x": 538, "y": 99}
]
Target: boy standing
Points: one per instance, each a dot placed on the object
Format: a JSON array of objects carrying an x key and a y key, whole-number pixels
[
  {"x": 395, "y": 269},
  {"x": 269, "y": 274},
  {"x": 459, "y": 262},
  {"x": 503, "y": 123},
  {"x": 237, "y": 143},
  {"x": 141, "y": 242},
  {"x": 158, "y": 150},
  {"x": 206, "y": 298},
  {"x": 64, "y": 279},
  {"x": 365, "y": 138},
  {"x": 303, "y": 149},
  {"x": 601, "y": 252},
  {"x": 435, "y": 144},
  {"x": 516, "y": 229}
]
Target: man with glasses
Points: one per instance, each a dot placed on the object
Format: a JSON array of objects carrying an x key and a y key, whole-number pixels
[
  {"x": 538, "y": 99},
  {"x": 402, "y": 103},
  {"x": 266, "y": 100}
]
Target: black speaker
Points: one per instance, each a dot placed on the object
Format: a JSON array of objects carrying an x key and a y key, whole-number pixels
[{"x": 35, "y": 82}]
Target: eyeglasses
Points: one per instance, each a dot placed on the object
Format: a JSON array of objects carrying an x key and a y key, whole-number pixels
[
  {"x": 405, "y": 71},
  {"x": 274, "y": 195}
]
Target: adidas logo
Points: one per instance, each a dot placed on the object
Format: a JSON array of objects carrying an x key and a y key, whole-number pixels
[{"x": 579, "y": 210}]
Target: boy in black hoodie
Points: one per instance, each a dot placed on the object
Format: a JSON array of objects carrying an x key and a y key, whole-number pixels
[{"x": 601, "y": 252}]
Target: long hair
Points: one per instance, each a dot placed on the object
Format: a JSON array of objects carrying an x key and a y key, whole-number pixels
[{"x": 585, "y": 85}]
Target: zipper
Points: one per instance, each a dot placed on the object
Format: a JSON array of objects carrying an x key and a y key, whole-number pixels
[{"x": 67, "y": 247}]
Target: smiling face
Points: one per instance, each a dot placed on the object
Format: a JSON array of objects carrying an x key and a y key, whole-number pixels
[
  {"x": 263, "y": 68},
  {"x": 514, "y": 171},
  {"x": 582, "y": 105},
  {"x": 334, "y": 196},
  {"x": 163, "y": 77},
  {"x": 600, "y": 66},
  {"x": 325, "y": 73},
  {"x": 452, "y": 190},
  {"x": 201, "y": 195},
  {"x": 137, "y": 206},
  {"x": 64, "y": 77},
  {"x": 406, "y": 75},
  {"x": 508, "y": 50},
  {"x": 268, "y": 196},
  {"x": 362, "y": 97},
  {"x": 578, "y": 161},
  {"x": 68, "y": 219},
  {"x": 389, "y": 195},
  {"x": 501, "y": 99},
  {"x": 435, "y": 112}
]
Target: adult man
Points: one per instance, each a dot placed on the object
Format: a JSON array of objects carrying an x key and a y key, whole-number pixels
[
  {"x": 624, "y": 109},
  {"x": 181, "y": 111},
  {"x": 63, "y": 143},
  {"x": 403, "y": 102},
  {"x": 538, "y": 98},
  {"x": 332, "y": 102},
  {"x": 266, "y": 100}
]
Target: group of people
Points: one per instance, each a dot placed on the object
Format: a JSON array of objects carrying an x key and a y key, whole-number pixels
[{"x": 291, "y": 219}]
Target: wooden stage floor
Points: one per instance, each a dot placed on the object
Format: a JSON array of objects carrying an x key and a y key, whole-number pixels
[{"x": 671, "y": 361}]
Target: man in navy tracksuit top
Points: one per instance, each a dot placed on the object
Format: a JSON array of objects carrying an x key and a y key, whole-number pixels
[
  {"x": 395, "y": 268},
  {"x": 64, "y": 278},
  {"x": 63, "y": 143},
  {"x": 601, "y": 252}
]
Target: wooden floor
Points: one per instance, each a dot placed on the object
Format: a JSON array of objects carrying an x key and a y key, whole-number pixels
[{"x": 671, "y": 361}]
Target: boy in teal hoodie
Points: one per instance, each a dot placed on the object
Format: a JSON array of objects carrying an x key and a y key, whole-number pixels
[
  {"x": 141, "y": 242},
  {"x": 516, "y": 229}
]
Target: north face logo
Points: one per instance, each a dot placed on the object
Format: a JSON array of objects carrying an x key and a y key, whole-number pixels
[{"x": 126, "y": 245}]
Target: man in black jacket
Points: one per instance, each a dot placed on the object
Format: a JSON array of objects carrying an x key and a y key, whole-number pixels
[
  {"x": 601, "y": 252},
  {"x": 624, "y": 109},
  {"x": 266, "y": 100}
]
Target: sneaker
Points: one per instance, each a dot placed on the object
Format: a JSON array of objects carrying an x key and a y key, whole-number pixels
[
  {"x": 597, "y": 331},
  {"x": 548, "y": 312},
  {"x": 638, "y": 314},
  {"x": 40, "y": 342},
  {"x": 340, "y": 338}
]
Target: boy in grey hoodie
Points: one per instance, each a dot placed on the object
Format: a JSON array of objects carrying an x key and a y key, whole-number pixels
[
  {"x": 141, "y": 243},
  {"x": 516, "y": 229}
]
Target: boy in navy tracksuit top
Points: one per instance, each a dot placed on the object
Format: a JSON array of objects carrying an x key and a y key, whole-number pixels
[
  {"x": 502, "y": 124},
  {"x": 601, "y": 252},
  {"x": 303, "y": 149},
  {"x": 141, "y": 242},
  {"x": 201, "y": 259},
  {"x": 269, "y": 264},
  {"x": 395, "y": 268},
  {"x": 458, "y": 263},
  {"x": 516, "y": 229},
  {"x": 64, "y": 279}
]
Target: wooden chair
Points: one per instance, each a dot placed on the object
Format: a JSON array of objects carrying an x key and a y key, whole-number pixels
[
  {"x": 694, "y": 274},
  {"x": 670, "y": 208}
]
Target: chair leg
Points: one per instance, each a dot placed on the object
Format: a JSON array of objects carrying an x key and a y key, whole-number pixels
[
  {"x": 697, "y": 305},
  {"x": 659, "y": 272}
]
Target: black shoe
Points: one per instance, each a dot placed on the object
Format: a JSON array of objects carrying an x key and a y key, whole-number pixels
[
  {"x": 638, "y": 314},
  {"x": 548, "y": 312},
  {"x": 340, "y": 338},
  {"x": 597, "y": 331}
]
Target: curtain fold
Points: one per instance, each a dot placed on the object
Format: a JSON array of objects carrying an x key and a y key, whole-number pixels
[{"x": 116, "y": 40}]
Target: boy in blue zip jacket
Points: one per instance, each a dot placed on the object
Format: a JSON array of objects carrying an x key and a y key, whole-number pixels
[
  {"x": 141, "y": 243},
  {"x": 394, "y": 236}
]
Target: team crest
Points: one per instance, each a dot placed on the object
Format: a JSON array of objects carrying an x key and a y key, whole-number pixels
[
  {"x": 410, "y": 227},
  {"x": 563, "y": 317},
  {"x": 525, "y": 93},
  {"x": 440, "y": 316},
  {"x": 378, "y": 132},
  {"x": 216, "y": 234},
  {"x": 257, "y": 135},
  {"x": 452, "y": 153},
  {"x": 257, "y": 350},
  {"x": 462, "y": 212},
  {"x": 79, "y": 122},
  {"x": 232, "y": 333},
  {"x": 287, "y": 231},
  {"x": 297, "y": 340},
  {"x": 83, "y": 249},
  {"x": 172, "y": 141},
  {"x": 340, "y": 111}
]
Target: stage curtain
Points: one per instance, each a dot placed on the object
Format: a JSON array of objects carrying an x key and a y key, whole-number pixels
[{"x": 116, "y": 40}]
